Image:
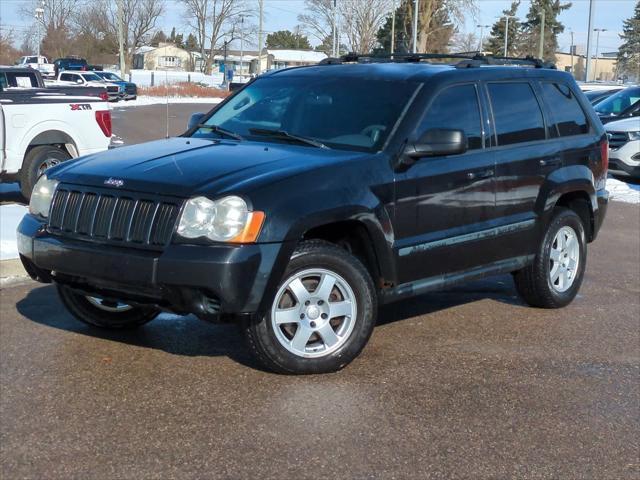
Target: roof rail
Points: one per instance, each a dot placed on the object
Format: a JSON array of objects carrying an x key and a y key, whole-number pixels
[{"x": 466, "y": 60}]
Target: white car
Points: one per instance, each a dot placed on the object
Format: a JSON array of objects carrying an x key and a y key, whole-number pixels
[
  {"x": 39, "y": 129},
  {"x": 89, "y": 79},
  {"x": 624, "y": 146},
  {"x": 40, "y": 63}
]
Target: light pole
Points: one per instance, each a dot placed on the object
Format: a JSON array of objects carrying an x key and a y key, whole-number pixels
[
  {"x": 571, "y": 48},
  {"x": 591, "y": 15},
  {"x": 481, "y": 27},
  {"x": 506, "y": 34},
  {"x": 393, "y": 27},
  {"x": 416, "y": 5},
  {"x": 334, "y": 31},
  {"x": 39, "y": 12},
  {"x": 261, "y": 7},
  {"x": 242, "y": 45},
  {"x": 595, "y": 67}
]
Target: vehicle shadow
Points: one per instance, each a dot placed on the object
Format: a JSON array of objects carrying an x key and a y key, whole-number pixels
[
  {"x": 10, "y": 193},
  {"x": 189, "y": 336}
]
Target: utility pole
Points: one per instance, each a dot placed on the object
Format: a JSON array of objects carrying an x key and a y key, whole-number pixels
[
  {"x": 334, "y": 30},
  {"x": 541, "y": 48},
  {"x": 595, "y": 67},
  {"x": 261, "y": 5},
  {"x": 121, "y": 37},
  {"x": 591, "y": 14},
  {"x": 393, "y": 27},
  {"x": 416, "y": 5},
  {"x": 571, "y": 49},
  {"x": 241, "y": 44},
  {"x": 39, "y": 13},
  {"x": 506, "y": 33},
  {"x": 481, "y": 44}
]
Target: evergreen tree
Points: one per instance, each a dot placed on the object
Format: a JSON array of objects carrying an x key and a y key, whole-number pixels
[
  {"x": 495, "y": 44},
  {"x": 191, "y": 44},
  {"x": 552, "y": 28},
  {"x": 629, "y": 51},
  {"x": 286, "y": 39},
  {"x": 158, "y": 37},
  {"x": 172, "y": 37}
]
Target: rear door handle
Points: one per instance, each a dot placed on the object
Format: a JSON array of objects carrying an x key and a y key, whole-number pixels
[
  {"x": 550, "y": 162},
  {"x": 481, "y": 174}
]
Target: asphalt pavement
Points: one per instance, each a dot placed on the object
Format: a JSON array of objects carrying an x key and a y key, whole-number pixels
[{"x": 467, "y": 383}]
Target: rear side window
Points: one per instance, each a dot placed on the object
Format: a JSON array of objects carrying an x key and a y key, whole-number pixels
[
  {"x": 566, "y": 113},
  {"x": 516, "y": 113},
  {"x": 456, "y": 108}
]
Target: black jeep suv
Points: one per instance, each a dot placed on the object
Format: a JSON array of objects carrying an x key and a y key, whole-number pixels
[{"x": 315, "y": 194}]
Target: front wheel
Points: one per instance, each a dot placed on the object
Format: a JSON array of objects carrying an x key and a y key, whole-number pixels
[
  {"x": 555, "y": 276},
  {"x": 322, "y": 315},
  {"x": 104, "y": 313}
]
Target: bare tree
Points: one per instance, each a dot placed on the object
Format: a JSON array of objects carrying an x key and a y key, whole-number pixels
[
  {"x": 318, "y": 18},
  {"x": 8, "y": 54},
  {"x": 465, "y": 42},
  {"x": 57, "y": 14},
  {"x": 360, "y": 22},
  {"x": 214, "y": 23}
]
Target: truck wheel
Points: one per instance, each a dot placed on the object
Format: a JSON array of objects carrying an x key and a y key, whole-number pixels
[
  {"x": 36, "y": 162},
  {"x": 322, "y": 315},
  {"x": 554, "y": 278},
  {"x": 98, "y": 312}
]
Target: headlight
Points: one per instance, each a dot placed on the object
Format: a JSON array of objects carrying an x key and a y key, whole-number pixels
[
  {"x": 634, "y": 135},
  {"x": 225, "y": 220},
  {"x": 42, "y": 196}
]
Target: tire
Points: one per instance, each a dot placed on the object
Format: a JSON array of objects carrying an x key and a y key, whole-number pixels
[
  {"x": 334, "y": 282},
  {"x": 541, "y": 284},
  {"x": 89, "y": 310},
  {"x": 36, "y": 161}
]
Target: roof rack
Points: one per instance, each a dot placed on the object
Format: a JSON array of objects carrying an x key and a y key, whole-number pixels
[{"x": 466, "y": 60}]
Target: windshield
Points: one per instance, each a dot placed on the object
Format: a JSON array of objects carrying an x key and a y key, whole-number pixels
[
  {"x": 619, "y": 102},
  {"x": 110, "y": 76},
  {"x": 91, "y": 77},
  {"x": 344, "y": 113}
]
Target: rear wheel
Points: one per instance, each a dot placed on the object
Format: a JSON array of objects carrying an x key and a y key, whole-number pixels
[
  {"x": 322, "y": 315},
  {"x": 555, "y": 276},
  {"x": 36, "y": 162},
  {"x": 104, "y": 313}
]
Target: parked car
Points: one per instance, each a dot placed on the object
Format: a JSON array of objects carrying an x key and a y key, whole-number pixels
[
  {"x": 41, "y": 127},
  {"x": 39, "y": 63},
  {"x": 624, "y": 104},
  {"x": 18, "y": 78},
  {"x": 90, "y": 79},
  {"x": 624, "y": 145},
  {"x": 596, "y": 96},
  {"x": 73, "y": 63},
  {"x": 315, "y": 194},
  {"x": 128, "y": 90}
]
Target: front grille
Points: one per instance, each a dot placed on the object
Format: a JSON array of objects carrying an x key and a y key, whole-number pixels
[
  {"x": 617, "y": 139},
  {"x": 131, "y": 89},
  {"x": 113, "y": 89},
  {"x": 118, "y": 218}
]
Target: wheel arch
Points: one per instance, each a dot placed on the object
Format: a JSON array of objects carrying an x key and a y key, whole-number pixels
[{"x": 54, "y": 137}]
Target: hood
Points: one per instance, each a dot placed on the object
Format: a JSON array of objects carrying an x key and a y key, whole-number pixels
[
  {"x": 185, "y": 167},
  {"x": 626, "y": 125}
]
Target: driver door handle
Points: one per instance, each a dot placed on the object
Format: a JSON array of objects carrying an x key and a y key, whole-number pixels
[{"x": 480, "y": 174}]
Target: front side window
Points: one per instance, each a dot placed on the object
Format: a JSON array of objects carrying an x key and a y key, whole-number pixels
[
  {"x": 516, "y": 113},
  {"x": 91, "y": 77},
  {"x": 567, "y": 114},
  {"x": 456, "y": 108},
  {"x": 67, "y": 77},
  {"x": 339, "y": 112}
]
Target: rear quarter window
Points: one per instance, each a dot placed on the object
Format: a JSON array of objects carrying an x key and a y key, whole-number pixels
[{"x": 567, "y": 116}]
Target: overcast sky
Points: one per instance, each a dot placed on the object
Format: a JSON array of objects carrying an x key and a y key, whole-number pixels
[{"x": 282, "y": 14}]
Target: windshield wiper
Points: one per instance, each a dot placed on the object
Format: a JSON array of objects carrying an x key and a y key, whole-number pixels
[
  {"x": 223, "y": 132},
  {"x": 281, "y": 134}
]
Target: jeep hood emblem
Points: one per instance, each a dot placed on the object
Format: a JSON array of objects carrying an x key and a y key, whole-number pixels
[{"x": 114, "y": 182}]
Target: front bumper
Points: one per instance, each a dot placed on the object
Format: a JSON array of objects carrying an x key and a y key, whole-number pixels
[
  {"x": 626, "y": 159},
  {"x": 204, "y": 280}
]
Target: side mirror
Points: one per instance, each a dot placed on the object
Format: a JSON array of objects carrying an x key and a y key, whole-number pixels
[
  {"x": 438, "y": 142},
  {"x": 79, "y": 80},
  {"x": 194, "y": 120}
]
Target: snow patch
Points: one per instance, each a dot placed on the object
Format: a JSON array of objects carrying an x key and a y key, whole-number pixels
[
  {"x": 622, "y": 191},
  {"x": 145, "y": 100},
  {"x": 10, "y": 216}
]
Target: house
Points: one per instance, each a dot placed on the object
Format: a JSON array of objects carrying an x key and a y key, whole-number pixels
[
  {"x": 166, "y": 56},
  {"x": 246, "y": 62}
]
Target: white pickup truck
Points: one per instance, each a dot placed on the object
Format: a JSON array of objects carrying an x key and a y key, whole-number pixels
[
  {"x": 41, "y": 127},
  {"x": 39, "y": 63}
]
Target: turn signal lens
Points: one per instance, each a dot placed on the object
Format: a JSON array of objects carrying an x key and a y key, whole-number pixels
[{"x": 252, "y": 230}]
